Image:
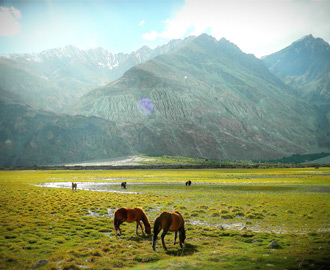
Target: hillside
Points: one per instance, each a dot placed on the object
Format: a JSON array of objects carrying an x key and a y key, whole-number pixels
[
  {"x": 53, "y": 79},
  {"x": 198, "y": 98},
  {"x": 205, "y": 99},
  {"x": 305, "y": 66},
  {"x": 30, "y": 137}
]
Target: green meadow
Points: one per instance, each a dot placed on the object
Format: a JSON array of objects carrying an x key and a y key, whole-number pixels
[{"x": 232, "y": 216}]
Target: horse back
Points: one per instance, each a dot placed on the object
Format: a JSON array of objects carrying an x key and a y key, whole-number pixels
[
  {"x": 134, "y": 214},
  {"x": 171, "y": 220},
  {"x": 121, "y": 213},
  {"x": 177, "y": 221},
  {"x": 165, "y": 219}
]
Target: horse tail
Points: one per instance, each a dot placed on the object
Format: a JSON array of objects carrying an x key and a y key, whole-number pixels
[{"x": 157, "y": 228}]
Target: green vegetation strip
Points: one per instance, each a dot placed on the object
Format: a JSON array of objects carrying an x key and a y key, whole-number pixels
[{"x": 232, "y": 217}]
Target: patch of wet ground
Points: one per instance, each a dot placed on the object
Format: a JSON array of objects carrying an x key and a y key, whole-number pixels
[
  {"x": 237, "y": 226},
  {"x": 242, "y": 226},
  {"x": 115, "y": 186},
  {"x": 89, "y": 186}
]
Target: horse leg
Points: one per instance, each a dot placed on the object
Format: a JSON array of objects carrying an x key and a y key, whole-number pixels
[
  {"x": 154, "y": 238},
  {"x": 180, "y": 242},
  {"x": 175, "y": 236},
  {"x": 141, "y": 227},
  {"x": 117, "y": 223},
  {"x": 165, "y": 230},
  {"x": 163, "y": 242},
  {"x": 116, "y": 230},
  {"x": 180, "y": 237},
  {"x": 138, "y": 223}
]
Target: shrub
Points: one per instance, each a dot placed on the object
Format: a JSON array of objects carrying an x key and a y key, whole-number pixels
[
  {"x": 226, "y": 216},
  {"x": 239, "y": 214},
  {"x": 215, "y": 214},
  {"x": 255, "y": 215}
]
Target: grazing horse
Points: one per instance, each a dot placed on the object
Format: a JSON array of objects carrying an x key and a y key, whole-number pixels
[
  {"x": 188, "y": 183},
  {"x": 74, "y": 186},
  {"x": 169, "y": 221},
  {"x": 130, "y": 215},
  {"x": 123, "y": 185}
]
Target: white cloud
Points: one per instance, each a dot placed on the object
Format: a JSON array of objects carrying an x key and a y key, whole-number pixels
[
  {"x": 39, "y": 32},
  {"x": 9, "y": 26},
  {"x": 256, "y": 26},
  {"x": 150, "y": 36},
  {"x": 141, "y": 23}
]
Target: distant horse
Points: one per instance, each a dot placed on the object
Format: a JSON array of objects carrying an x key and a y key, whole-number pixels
[
  {"x": 188, "y": 183},
  {"x": 169, "y": 221},
  {"x": 74, "y": 186},
  {"x": 123, "y": 185},
  {"x": 130, "y": 215}
]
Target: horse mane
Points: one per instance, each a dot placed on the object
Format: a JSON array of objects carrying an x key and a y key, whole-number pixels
[{"x": 178, "y": 213}]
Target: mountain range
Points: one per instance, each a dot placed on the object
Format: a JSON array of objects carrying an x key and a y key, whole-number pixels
[
  {"x": 305, "y": 66},
  {"x": 195, "y": 97},
  {"x": 54, "y": 78}
]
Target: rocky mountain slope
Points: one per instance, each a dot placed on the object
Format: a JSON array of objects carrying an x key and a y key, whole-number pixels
[
  {"x": 305, "y": 66},
  {"x": 29, "y": 137},
  {"x": 200, "y": 98},
  {"x": 205, "y": 99},
  {"x": 54, "y": 78}
]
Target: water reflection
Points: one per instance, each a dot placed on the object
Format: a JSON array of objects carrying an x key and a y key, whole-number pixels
[{"x": 90, "y": 186}]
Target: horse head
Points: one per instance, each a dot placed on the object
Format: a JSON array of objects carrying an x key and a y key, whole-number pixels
[
  {"x": 146, "y": 223},
  {"x": 182, "y": 236}
]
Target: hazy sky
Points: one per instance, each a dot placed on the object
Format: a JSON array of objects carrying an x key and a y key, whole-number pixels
[{"x": 260, "y": 27}]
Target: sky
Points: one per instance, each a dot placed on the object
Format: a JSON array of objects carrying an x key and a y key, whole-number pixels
[{"x": 260, "y": 27}]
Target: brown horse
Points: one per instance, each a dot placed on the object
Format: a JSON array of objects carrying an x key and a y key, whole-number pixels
[
  {"x": 74, "y": 186},
  {"x": 169, "y": 221},
  {"x": 130, "y": 215}
]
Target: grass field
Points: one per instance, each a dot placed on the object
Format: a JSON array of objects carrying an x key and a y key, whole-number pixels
[{"x": 231, "y": 215}]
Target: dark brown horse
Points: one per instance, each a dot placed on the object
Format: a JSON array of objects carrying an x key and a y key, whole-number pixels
[
  {"x": 188, "y": 183},
  {"x": 74, "y": 186},
  {"x": 130, "y": 215},
  {"x": 169, "y": 221}
]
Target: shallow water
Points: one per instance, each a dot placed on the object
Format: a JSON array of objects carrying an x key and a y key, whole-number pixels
[
  {"x": 90, "y": 186},
  {"x": 136, "y": 187}
]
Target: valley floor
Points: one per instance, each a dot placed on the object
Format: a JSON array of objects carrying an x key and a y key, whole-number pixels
[{"x": 232, "y": 218}]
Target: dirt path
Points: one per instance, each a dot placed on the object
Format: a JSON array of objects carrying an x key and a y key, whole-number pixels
[{"x": 124, "y": 161}]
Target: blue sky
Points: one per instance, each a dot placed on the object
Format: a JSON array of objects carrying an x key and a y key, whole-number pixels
[{"x": 256, "y": 26}]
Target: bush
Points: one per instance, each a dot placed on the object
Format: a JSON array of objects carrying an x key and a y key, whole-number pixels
[
  {"x": 255, "y": 215},
  {"x": 226, "y": 216}
]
